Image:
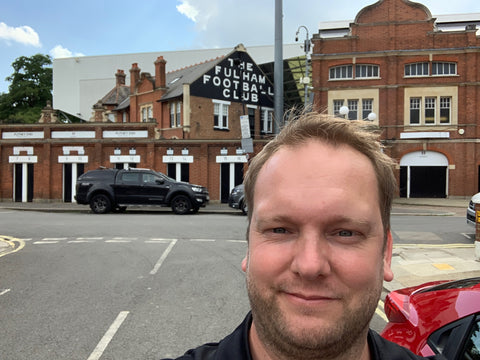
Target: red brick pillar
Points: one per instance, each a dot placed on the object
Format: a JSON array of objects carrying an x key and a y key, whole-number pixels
[{"x": 477, "y": 232}]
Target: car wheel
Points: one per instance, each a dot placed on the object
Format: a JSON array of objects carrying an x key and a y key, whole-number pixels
[
  {"x": 100, "y": 204},
  {"x": 244, "y": 207},
  {"x": 181, "y": 205}
]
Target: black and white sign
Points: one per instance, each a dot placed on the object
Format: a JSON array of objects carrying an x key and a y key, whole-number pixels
[{"x": 236, "y": 78}]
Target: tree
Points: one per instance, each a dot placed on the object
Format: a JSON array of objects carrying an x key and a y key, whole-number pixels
[{"x": 29, "y": 91}]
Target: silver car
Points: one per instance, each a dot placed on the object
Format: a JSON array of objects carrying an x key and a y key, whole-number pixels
[{"x": 471, "y": 209}]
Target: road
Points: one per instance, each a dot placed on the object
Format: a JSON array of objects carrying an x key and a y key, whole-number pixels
[{"x": 142, "y": 285}]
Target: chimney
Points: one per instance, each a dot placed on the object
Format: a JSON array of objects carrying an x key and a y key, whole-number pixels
[
  {"x": 120, "y": 75},
  {"x": 160, "y": 76},
  {"x": 134, "y": 77}
]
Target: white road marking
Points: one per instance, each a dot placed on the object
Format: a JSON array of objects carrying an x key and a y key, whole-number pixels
[
  {"x": 112, "y": 330},
  {"x": 237, "y": 241},
  {"x": 80, "y": 241},
  {"x": 118, "y": 241},
  {"x": 89, "y": 238},
  {"x": 45, "y": 242},
  {"x": 4, "y": 291},
  {"x": 467, "y": 236},
  {"x": 163, "y": 257},
  {"x": 379, "y": 310},
  {"x": 54, "y": 239},
  {"x": 203, "y": 240}
]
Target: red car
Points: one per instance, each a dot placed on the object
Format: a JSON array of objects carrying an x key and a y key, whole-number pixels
[{"x": 437, "y": 317}]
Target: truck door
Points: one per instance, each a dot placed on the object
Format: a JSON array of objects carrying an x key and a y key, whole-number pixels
[
  {"x": 128, "y": 188},
  {"x": 155, "y": 189}
]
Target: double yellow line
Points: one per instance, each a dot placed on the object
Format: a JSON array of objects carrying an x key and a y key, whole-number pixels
[{"x": 14, "y": 244}]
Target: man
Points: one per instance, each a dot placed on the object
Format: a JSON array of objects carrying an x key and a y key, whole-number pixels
[{"x": 319, "y": 246}]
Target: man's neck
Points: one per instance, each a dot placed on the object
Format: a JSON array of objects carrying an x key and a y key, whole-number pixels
[{"x": 261, "y": 351}]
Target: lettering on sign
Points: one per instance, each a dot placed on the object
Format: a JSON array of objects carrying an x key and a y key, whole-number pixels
[
  {"x": 125, "y": 134},
  {"x": 238, "y": 79},
  {"x": 23, "y": 135}
]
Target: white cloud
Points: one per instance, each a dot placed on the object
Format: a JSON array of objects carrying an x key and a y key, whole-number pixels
[
  {"x": 22, "y": 34},
  {"x": 187, "y": 9},
  {"x": 60, "y": 52}
]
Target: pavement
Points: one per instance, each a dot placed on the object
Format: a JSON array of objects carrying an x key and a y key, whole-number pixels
[{"x": 412, "y": 264}]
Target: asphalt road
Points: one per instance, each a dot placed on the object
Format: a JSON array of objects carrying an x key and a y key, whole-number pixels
[{"x": 143, "y": 285}]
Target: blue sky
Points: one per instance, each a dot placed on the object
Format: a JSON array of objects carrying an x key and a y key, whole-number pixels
[{"x": 63, "y": 28}]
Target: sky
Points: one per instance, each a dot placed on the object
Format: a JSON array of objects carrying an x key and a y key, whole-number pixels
[{"x": 65, "y": 28}]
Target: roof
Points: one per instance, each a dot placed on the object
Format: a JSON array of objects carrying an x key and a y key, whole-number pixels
[
  {"x": 187, "y": 75},
  {"x": 116, "y": 95},
  {"x": 450, "y": 22}
]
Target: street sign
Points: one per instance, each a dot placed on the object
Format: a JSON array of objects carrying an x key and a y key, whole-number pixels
[
  {"x": 247, "y": 145},
  {"x": 245, "y": 126}
]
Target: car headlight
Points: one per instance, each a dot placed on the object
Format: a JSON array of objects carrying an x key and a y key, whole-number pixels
[{"x": 197, "y": 189}]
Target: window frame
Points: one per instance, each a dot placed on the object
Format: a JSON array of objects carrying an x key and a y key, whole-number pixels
[
  {"x": 450, "y": 66},
  {"x": 220, "y": 117},
  {"x": 146, "y": 112}
]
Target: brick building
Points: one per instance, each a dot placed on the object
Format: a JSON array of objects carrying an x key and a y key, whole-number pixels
[
  {"x": 420, "y": 79},
  {"x": 185, "y": 124}
]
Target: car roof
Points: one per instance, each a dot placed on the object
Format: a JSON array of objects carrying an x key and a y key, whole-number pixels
[{"x": 435, "y": 304}]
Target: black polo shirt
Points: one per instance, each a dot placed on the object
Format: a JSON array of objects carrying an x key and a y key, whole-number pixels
[{"x": 236, "y": 347}]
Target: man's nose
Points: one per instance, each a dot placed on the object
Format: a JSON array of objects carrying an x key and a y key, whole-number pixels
[{"x": 311, "y": 258}]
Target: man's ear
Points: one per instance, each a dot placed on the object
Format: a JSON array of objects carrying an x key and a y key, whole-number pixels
[{"x": 387, "y": 258}]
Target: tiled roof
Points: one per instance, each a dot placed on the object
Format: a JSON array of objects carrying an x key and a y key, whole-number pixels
[
  {"x": 116, "y": 95},
  {"x": 187, "y": 75}
]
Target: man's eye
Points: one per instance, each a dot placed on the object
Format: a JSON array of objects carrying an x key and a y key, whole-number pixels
[
  {"x": 279, "y": 231},
  {"x": 345, "y": 233}
]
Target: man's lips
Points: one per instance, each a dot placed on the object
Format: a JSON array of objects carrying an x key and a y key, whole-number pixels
[{"x": 309, "y": 297}]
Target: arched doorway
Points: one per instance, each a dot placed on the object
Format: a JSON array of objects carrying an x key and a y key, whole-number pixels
[{"x": 424, "y": 174}]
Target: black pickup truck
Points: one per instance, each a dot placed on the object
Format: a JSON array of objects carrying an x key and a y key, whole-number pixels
[{"x": 108, "y": 190}]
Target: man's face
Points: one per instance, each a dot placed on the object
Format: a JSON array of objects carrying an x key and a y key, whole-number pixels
[{"x": 315, "y": 263}]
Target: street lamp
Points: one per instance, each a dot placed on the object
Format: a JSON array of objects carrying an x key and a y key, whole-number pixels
[
  {"x": 344, "y": 110},
  {"x": 306, "y": 46}
]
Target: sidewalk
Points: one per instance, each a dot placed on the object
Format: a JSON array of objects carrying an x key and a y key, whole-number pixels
[{"x": 412, "y": 264}]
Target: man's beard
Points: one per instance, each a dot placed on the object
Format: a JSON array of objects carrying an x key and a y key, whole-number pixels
[{"x": 346, "y": 336}]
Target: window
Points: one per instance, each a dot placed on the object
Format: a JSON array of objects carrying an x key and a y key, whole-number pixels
[
  {"x": 355, "y": 112},
  {"x": 179, "y": 112},
  {"x": 146, "y": 113},
  {"x": 175, "y": 114},
  {"x": 445, "y": 109},
  {"x": 362, "y": 71},
  {"x": 172, "y": 115},
  {"x": 341, "y": 72},
  {"x": 425, "y": 110},
  {"x": 367, "y": 107},
  {"x": 367, "y": 71},
  {"x": 220, "y": 114},
  {"x": 267, "y": 121},
  {"x": 444, "y": 68},
  {"x": 430, "y": 110},
  {"x": 472, "y": 346},
  {"x": 437, "y": 69},
  {"x": 337, "y": 104},
  {"x": 417, "y": 69},
  {"x": 352, "y": 109},
  {"x": 415, "y": 110}
]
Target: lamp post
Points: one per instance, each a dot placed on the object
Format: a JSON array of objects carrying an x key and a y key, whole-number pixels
[{"x": 305, "y": 80}]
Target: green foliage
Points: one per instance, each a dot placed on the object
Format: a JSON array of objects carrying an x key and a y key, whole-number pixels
[{"x": 29, "y": 91}]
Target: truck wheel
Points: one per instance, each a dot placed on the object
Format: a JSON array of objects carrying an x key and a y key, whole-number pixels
[
  {"x": 181, "y": 204},
  {"x": 100, "y": 204}
]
